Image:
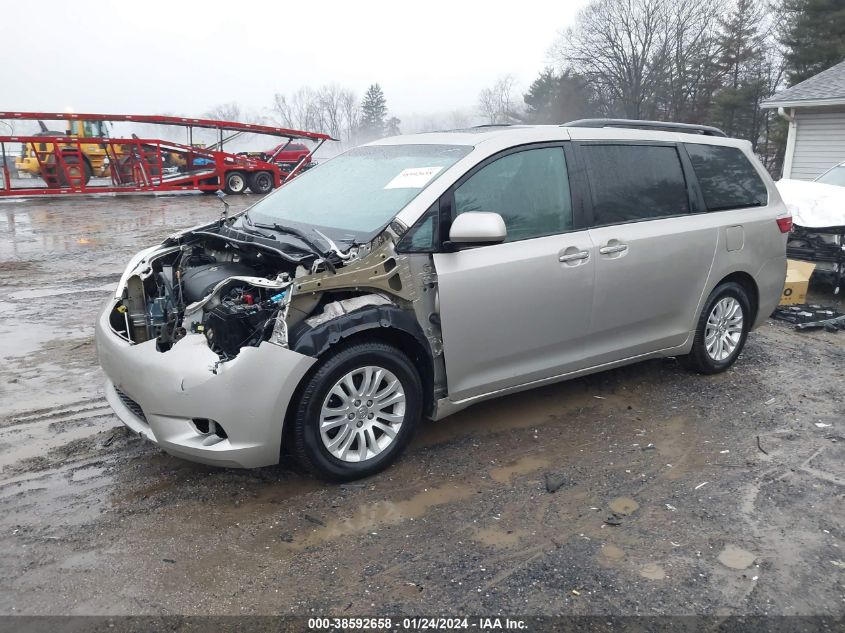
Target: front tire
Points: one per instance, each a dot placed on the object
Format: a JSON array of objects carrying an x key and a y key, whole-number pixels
[
  {"x": 357, "y": 411},
  {"x": 721, "y": 330}
]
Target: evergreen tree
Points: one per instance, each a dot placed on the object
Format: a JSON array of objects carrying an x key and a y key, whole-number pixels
[
  {"x": 814, "y": 36},
  {"x": 373, "y": 112},
  {"x": 541, "y": 96},
  {"x": 391, "y": 126},
  {"x": 554, "y": 98},
  {"x": 741, "y": 63}
]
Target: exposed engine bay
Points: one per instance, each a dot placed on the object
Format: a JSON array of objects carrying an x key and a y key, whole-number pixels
[
  {"x": 239, "y": 287},
  {"x": 228, "y": 293}
]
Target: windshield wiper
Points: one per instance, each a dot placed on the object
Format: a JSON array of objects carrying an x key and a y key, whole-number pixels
[
  {"x": 268, "y": 236},
  {"x": 311, "y": 244}
]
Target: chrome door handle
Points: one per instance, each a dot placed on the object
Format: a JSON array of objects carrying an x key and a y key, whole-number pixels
[
  {"x": 574, "y": 257},
  {"x": 608, "y": 250}
]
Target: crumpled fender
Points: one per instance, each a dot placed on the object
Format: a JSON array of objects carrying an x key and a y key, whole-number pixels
[{"x": 313, "y": 341}]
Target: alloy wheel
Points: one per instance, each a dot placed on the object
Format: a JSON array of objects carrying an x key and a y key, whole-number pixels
[
  {"x": 362, "y": 414},
  {"x": 724, "y": 329}
]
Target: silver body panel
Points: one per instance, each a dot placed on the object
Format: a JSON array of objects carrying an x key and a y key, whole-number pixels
[
  {"x": 513, "y": 312},
  {"x": 621, "y": 308}
]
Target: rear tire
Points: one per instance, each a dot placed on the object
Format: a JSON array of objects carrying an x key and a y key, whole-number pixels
[
  {"x": 234, "y": 182},
  {"x": 721, "y": 330},
  {"x": 380, "y": 388},
  {"x": 261, "y": 182}
]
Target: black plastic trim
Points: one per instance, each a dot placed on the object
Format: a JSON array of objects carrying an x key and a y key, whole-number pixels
[{"x": 313, "y": 341}]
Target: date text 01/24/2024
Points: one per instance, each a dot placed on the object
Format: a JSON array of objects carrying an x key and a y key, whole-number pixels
[{"x": 417, "y": 624}]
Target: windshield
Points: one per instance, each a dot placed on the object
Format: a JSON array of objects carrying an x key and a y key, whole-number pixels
[
  {"x": 360, "y": 191},
  {"x": 835, "y": 176}
]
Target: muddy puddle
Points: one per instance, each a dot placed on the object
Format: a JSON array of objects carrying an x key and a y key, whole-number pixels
[
  {"x": 611, "y": 552},
  {"x": 371, "y": 517},
  {"x": 652, "y": 571},
  {"x": 736, "y": 557},
  {"x": 499, "y": 538},
  {"x": 523, "y": 466},
  {"x": 623, "y": 505}
]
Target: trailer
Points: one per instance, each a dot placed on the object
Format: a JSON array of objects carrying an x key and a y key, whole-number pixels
[{"x": 67, "y": 163}]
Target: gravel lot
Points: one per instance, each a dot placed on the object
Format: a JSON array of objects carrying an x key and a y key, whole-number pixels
[{"x": 679, "y": 494}]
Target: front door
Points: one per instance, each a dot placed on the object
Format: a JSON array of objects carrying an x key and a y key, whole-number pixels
[{"x": 519, "y": 311}]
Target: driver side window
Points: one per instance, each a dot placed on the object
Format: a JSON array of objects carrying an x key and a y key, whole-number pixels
[{"x": 529, "y": 189}]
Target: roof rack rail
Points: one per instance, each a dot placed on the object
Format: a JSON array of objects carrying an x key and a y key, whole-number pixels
[{"x": 690, "y": 128}]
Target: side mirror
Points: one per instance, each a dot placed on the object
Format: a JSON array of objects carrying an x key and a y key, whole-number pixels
[{"x": 478, "y": 227}]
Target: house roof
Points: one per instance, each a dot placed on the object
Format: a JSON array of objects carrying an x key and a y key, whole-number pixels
[{"x": 826, "y": 88}]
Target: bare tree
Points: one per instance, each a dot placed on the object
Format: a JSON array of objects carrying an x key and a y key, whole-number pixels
[
  {"x": 281, "y": 110},
  {"x": 459, "y": 119},
  {"x": 351, "y": 113},
  {"x": 692, "y": 47},
  {"x": 622, "y": 48},
  {"x": 225, "y": 112},
  {"x": 498, "y": 104},
  {"x": 300, "y": 110},
  {"x": 331, "y": 109}
]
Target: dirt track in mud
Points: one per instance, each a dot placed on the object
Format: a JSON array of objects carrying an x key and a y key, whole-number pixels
[{"x": 668, "y": 504}]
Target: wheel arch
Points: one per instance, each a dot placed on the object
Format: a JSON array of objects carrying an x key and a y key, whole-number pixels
[
  {"x": 381, "y": 323},
  {"x": 748, "y": 284}
]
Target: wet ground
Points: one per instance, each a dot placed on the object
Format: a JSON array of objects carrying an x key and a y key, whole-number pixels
[{"x": 675, "y": 493}]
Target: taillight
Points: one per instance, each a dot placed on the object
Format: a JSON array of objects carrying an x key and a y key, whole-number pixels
[{"x": 785, "y": 224}]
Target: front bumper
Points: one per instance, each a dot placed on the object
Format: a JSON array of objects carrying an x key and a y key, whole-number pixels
[{"x": 160, "y": 394}]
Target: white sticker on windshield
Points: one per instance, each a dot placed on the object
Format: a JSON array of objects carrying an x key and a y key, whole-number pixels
[{"x": 413, "y": 178}]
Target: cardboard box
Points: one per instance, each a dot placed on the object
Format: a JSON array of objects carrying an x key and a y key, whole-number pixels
[{"x": 798, "y": 275}]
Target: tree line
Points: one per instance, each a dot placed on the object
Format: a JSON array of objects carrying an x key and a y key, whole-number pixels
[
  {"x": 330, "y": 109},
  {"x": 695, "y": 61}
]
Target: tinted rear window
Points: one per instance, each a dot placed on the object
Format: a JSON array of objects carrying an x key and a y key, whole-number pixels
[
  {"x": 635, "y": 182},
  {"x": 728, "y": 180}
]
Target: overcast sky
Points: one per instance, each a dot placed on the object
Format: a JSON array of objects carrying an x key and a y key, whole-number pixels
[{"x": 152, "y": 57}]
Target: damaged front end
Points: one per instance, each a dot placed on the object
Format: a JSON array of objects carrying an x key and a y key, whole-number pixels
[{"x": 239, "y": 288}]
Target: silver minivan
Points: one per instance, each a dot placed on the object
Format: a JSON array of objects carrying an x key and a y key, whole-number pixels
[{"x": 416, "y": 275}]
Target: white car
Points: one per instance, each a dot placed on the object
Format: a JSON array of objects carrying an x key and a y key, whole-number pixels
[{"x": 833, "y": 176}]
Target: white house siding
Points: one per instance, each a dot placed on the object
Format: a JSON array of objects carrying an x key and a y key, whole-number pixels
[{"x": 819, "y": 143}]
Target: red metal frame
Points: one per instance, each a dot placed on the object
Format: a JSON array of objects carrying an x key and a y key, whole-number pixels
[
  {"x": 179, "y": 121},
  {"x": 137, "y": 165}
]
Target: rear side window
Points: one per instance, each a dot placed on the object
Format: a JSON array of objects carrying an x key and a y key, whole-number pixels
[
  {"x": 728, "y": 180},
  {"x": 635, "y": 182}
]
